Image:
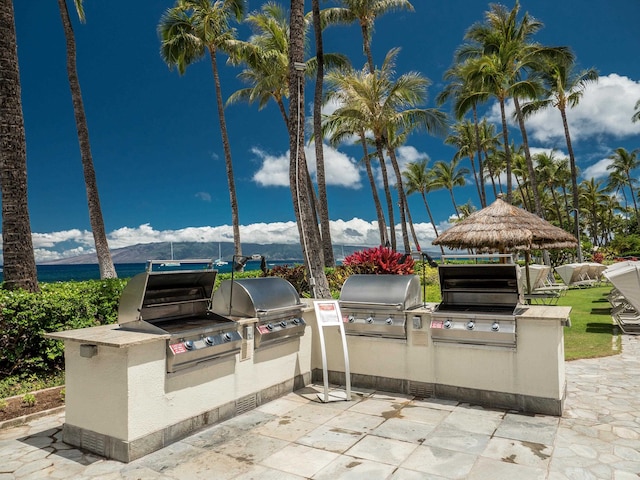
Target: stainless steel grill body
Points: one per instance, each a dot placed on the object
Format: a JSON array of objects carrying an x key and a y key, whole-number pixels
[
  {"x": 479, "y": 305},
  {"x": 179, "y": 303},
  {"x": 376, "y": 305},
  {"x": 272, "y": 300}
]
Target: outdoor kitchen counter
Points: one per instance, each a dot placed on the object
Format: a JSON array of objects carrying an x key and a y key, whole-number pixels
[
  {"x": 529, "y": 377},
  {"x": 107, "y": 336}
]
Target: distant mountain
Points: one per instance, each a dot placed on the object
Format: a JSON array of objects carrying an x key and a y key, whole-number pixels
[
  {"x": 192, "y": 250},
  {"x": 183, "y": 250}
]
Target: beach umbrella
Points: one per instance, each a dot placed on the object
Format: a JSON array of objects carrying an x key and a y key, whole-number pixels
[{"x": 502, "y": 227}]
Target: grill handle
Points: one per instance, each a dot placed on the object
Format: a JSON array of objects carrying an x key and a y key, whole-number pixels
[
  {"x": 262, "y": 311},
  {"x": 398, "y": 306}
]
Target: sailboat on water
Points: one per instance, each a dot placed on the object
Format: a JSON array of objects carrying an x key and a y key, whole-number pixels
[{"x": 219, "y": 262}]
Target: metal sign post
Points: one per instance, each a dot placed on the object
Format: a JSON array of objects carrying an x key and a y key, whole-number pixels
[{"x": 328, "y": 315}]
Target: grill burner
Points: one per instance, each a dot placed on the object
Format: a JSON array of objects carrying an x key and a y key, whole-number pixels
[
  {"x": 272, "y": 300},
  {"x": 375, "y": 305},
  {"x": 174, "y": 297},
  {"x": 479, "y": 305}
]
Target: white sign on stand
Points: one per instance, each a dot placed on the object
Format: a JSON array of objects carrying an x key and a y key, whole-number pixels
[{"x": 328, "y": 315}]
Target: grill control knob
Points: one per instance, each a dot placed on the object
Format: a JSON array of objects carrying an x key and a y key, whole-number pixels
[
  {"x": 369, "y": 320},
  {"x": 283, "y": 324},
  {"x": 295, "y": 321},
  {"x": 447, "y": 324},
  {"x": 269, "y": 327},
  {"x": 495, "y": 327},
  {"x": 389, "y": 321},
  {"x": 189, "y": 345},
  {"x": 209, "y": 340},
  {"x": 471, "y": 325},
  {"x": 352, "y": 319},
  {"x": 226, "y": 337}
]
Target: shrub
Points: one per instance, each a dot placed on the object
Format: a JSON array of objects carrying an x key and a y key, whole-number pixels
[
  {"x": 29, "y": 399},
  {"x": 25, "y": 318},
  {"x": 380, "y": 260}
]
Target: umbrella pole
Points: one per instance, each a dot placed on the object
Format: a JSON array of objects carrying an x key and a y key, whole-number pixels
[{"x": 526, "y": 266}]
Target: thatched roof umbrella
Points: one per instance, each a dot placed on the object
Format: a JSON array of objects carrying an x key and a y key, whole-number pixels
[{"x": 503, "y": 227}]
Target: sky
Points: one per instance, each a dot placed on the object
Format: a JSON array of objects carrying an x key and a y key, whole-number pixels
[{"x": 155, "y": 137}]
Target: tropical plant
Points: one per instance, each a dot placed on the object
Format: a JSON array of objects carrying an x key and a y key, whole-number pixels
[
  {"x": 386, "y": 108},
  {"x": 418, "y": 179},
  {"x": 636, "y": 115},
  {"x": 365, "y": 13},
  {"x": 624, "y": 163},
  {"x": 17, "y": 245},
  {"x": 564, "y": 89},
  {"x": 380, "y": 260},
  {"x": 105, "y": 262},
  {"x": 448, "y": 176},
  {"x": 188, "y": 31}
]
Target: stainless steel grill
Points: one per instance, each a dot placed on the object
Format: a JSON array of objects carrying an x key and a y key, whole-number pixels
[
  {"x": 272, "y": 300},
  {"x": 376, "y": 305},
  {"x": 479, "y": 305},
  {"x": 174, "y": 297}
]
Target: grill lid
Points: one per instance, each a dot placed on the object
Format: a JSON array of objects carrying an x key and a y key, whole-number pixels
[
  {"x": 178, "y": 291},
  {"x": 256, "y": 297},
  {"x": 399, "y": 291},
  {"x": 479, "y": 287}
]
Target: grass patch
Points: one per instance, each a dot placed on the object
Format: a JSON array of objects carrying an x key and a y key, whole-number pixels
[{"x": 592, "y": 329}]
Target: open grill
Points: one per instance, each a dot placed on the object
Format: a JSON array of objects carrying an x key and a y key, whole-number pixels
[
  {"x": 174, "y": 297},
  {"x": 376, "y": 305},
  {"x": 479, "y": 305},
  {"x": 272, "y": 300}
]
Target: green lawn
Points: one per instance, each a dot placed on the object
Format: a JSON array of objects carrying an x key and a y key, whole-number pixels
[{"x": 592, "y": 330}]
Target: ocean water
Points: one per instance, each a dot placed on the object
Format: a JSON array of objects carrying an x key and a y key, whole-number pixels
[{"x": 66, "y": 273}]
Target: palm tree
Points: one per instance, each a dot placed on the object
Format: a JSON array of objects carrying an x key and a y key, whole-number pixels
[
  {"x": 564, "y": 88},
  {"x": 17, "y": 246},
  {"x": 448, "y": 176},
  {"x": 624, "y": 162},
  {"x": 465, "y": 140},
  {"x": 387, "y": 108},
  {"x": 188, "y": 31},
  {"x": 636, "y": 115},
  {"x": 307, "y": 225},
  {"x": 548, "y": 174},
  {"x": 365, "y": 13},
  {"x": 325, "y": 229},
  {"x": 417, "y": 179},
  {"x": 497, "y": 62},
  {"x": 105, "y": 262}
]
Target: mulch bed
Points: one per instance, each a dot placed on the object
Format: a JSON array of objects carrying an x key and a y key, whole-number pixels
[{"x": 45, "y": 400}]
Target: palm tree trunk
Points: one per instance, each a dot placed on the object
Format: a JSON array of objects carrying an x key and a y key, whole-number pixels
[
  {"x": 527, "y": 156},
  {"x": 17, "y": 244},
  {"x": 382, "y": 226},
  {"x": 387, "y": 193},
  {"x": 366, "y": 46},
  {"x": 433, "y": 223},
  {"x": 507, "y": 150},
  {"x": 307, "y": 228},
  {"x": 233, "y": 200},
  {"x": 483, "y": 193},
  {"x": 411, "y": 227},
  {"x": 402, "y": 199},
  {"x": 574, "y": 180},
  {"x": 325, "y": 229},
  {"x": 105, "y": 262}
]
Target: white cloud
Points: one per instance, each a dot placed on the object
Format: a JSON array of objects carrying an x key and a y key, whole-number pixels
[
  {"x": 204, "y": 196},
  {"x": 597, "y": 170},
  {"x": 340, "y": 169},
  {"x": 606, "y": 108}
]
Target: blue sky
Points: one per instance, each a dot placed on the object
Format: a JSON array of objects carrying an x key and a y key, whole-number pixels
[{"x": 156, "y": 143}]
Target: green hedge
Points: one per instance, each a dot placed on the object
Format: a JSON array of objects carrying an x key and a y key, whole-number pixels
[{"x": 26, "y": 317}]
